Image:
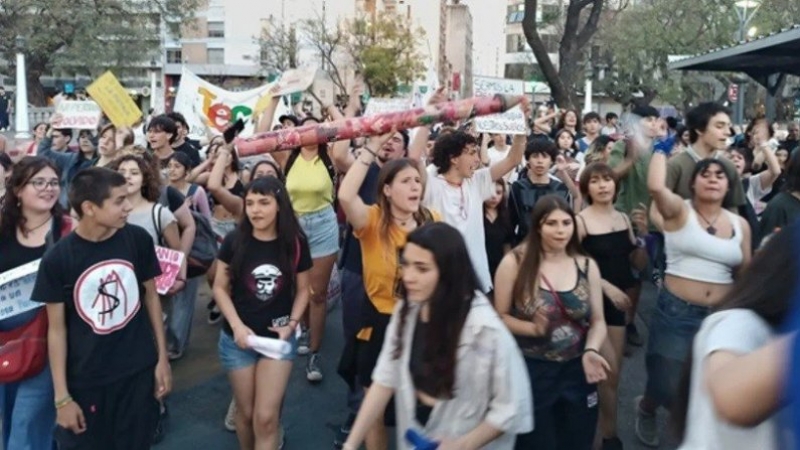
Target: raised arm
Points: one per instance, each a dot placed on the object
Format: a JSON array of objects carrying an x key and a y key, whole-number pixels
[
  {"x": 354, "y": 208},
  {"x": 512, "y": 159},
  {"x": 669, "y": 205},
  {"x": 233, "y": 203}
]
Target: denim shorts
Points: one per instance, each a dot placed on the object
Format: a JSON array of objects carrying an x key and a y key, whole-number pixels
[
  {"x": 232, "y": 357},
  {"x": 222, "y": 227},
  {"x": 672, "y": 329},
  {"x": 322, "y": 231}
]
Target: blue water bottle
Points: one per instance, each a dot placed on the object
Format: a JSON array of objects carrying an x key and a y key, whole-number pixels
[{"x": 419, "y": 441}]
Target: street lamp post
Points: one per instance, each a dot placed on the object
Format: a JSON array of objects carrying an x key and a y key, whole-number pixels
[
  {"x": 21, "y": 121},
  {"x": 587, "y": 98},
  {"x": 745, "y": 10},
  {"x": 153, "y": 85}
]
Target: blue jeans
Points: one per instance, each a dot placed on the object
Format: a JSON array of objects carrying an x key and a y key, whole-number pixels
[
  {"x": 232, "y": 357},
  {"x": 322, "y": 231},
  {"x": 29, "y": 416},
  {"x": 179, "y": 321},
  {"x": 672, "y": 328}
]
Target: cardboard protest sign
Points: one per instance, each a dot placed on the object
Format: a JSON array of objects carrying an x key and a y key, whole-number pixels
[
  {"x": 510, "y": 122},
  {"x": 114, "y": 100},
  {"x": 16, "y": 287},
  {"x": 170, "y": 262},
  {"x": 294, "y": 80},
  {"x": 78, "y": 115},
  {"x": 386, "y": 105}
]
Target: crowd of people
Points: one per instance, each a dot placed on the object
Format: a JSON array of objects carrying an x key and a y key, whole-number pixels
[{"x": 489, "y": 283}]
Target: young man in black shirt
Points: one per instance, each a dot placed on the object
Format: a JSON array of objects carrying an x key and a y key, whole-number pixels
[
  {"x": 534, "y": 183},
  {"x": 104, "y": 347},
  {"x": 182, "y": 142}
]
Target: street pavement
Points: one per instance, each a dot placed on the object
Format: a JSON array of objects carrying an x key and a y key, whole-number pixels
[{"x": 312, "y": 413}]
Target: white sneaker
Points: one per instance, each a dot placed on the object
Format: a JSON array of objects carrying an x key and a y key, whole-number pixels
[
  {"x": 230, "y": 417},
  {"x": 313, "y": 371},
  {"x": 302, "y": 343}
]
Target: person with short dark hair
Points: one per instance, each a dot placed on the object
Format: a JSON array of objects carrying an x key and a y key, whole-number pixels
[
  {"x": 457, "y": 190},
  {"x": 591, "y": 131},
  {"x": 162, "y": 132},
  {"x": 612, "y": 125},
  {"x": 106, "y": 337},
  {"x": 784, "y": 208},
  {"x": 182, "y": 143},
  {"x": 533, "y": 184},
  {"x": 5, "y": 109}
]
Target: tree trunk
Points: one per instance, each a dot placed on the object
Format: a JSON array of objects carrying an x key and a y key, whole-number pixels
[
  {"x": 36, "y": 95},
  {"x": 558, "y": 90}
]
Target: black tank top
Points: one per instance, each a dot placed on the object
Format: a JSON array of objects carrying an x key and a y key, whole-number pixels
[{"x": 612, "y": 253}]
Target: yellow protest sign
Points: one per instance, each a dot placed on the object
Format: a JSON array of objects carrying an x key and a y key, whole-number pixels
[{"x": 114, "y": 100}]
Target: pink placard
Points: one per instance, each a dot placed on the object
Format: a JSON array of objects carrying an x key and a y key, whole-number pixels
[{"x": 170, "y": 262}]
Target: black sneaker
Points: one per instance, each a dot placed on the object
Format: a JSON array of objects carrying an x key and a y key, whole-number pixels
[
  {"x": 214, "y": 314},
  {"x": 344, "y": 431},
  {"x": 633, "y": 336}
]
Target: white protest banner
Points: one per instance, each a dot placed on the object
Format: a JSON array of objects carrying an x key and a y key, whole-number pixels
[
  {"x": 208, "y": 106},
  {"x": 295, "y": 80},
  {"x": 170, "y": 262},
  {"x": 386, "y": 105},
  {"x": 511, "y": 121},
  {"x": 16, "y": 287},
  {"x": 78, "y": 115}
]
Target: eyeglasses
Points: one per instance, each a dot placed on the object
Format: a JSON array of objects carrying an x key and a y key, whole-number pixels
[{"x": 40, "y": 184}]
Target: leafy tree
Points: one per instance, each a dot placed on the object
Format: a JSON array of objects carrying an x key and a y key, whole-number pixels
[
  {"x": 639, "y": 44},
  {"x": 87, "y": 37},
  {"x": 387, "y": 52},
  {"x": 280, "y": 47},
  {"x": 580, "y": 23}
]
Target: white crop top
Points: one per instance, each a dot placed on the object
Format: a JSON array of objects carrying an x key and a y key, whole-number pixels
[{"x": 697, "y": 255}]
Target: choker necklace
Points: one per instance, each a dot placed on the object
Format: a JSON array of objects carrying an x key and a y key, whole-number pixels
[
  {"x": 402, "y": 221},
  {"x": 710, "y": 229},
  {"x": 26, "y": 231}
]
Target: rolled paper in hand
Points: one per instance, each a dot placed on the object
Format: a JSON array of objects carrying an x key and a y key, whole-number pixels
[
  {"x": 346, "y": 129},
  {"x": 269, "y": 347}
]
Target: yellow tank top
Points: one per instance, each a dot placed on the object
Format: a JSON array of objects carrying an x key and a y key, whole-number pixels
[{"x": 309, "y": 185}]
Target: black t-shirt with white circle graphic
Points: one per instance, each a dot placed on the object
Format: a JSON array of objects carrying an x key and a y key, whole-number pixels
[
  {"x": 109, "y": 336},
  {"x": 262, "y": 295}
]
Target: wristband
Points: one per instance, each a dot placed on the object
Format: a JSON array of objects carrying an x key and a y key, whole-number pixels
[
  {"x": 370, "y": 151},
  {"x": 63, "y": 402},
  {"x": 591, "y": 350}
]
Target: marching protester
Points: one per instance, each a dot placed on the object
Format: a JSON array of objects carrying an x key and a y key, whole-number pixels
[
  {"x": 784, "y": 208},
  {"x": 381, "y": 229},
  {"x": 5, "y": 174},
  {"x": 457, "y": 376},
  {"x": 541, "y": 156},
  {"x": 609, "y": 238},
  {"x": 107, "y": 349},
  {"x": 454, "y": 188},
  {"x": 178, "y": 169},
  {"x": 706, "y": 247},
  {"x": 30, "y": 219},
  {"x": 310, "y": 175},
  {"x": 722, "y": 403},
  {"x": 55, "y": 148},
  {"x": 549, "y": 295},
  {"x": 262, "y": 289},
  {"x": 497, "y": 226}
]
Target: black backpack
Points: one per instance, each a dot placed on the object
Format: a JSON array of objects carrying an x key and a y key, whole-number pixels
[{"x": 204, "y": 247}]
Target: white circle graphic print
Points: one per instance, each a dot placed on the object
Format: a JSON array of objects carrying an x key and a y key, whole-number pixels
[
  {"x": 268, "y": 281},
  {"x": 107, "y": 295}
]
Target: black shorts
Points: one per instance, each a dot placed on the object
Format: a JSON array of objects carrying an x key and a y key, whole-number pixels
[
  {"x": 119, "y": 416},
  {"x": 614, "y": 317}
]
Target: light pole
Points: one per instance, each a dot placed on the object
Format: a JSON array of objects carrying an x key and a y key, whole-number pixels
[
  {"x": 587, "y": 90},
  {"x": 153, "y": 85},
  {"x": 21, "y": 121},
  {"x": 745, "y": 10}
]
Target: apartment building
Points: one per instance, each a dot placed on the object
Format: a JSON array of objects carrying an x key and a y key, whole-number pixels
[{"x": 459, "y": 48}]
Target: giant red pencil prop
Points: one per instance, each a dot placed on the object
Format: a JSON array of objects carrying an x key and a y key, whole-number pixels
[{"x": 352, "y": 128}]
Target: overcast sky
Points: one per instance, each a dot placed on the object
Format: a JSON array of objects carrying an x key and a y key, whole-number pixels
[{"x": 488, "y": 23}]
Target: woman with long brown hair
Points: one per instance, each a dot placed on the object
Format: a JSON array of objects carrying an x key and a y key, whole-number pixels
[
  {"x": 382, "y": 229},
  {"x": 549, "y": 294},
  {"x": 456, "y": 375},
  {"x": 31, "y": 216}
]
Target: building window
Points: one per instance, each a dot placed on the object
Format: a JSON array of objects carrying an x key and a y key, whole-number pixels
[
  {"x": 516, "y": 43},
  {"x": 516, "y": 17},
  {"x": 215, "y": 56},
  {"x": 174, "y": 56},
  {"x": 216, "y": 29}
]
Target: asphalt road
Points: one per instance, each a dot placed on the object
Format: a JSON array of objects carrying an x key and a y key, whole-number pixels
[{"x": 312, "y": 413}]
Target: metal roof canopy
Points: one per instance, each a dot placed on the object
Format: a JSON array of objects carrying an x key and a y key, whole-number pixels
[{"x": 767, "y": 59}]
